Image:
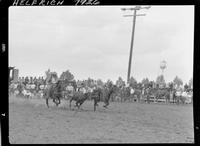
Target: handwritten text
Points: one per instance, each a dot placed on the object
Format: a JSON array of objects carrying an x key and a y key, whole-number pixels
[
  {"x": 87, "y": 2},
  {"x": 37, "y": 2}
]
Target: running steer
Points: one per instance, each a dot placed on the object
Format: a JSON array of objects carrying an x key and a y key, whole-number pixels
[{"x": 79, "y": 97}]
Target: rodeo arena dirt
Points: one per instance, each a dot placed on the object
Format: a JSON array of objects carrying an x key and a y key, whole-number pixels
[{"x": 68, "y": 112}]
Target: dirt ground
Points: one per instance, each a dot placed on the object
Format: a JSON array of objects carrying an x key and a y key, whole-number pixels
[{"x": 31, "y": 122}]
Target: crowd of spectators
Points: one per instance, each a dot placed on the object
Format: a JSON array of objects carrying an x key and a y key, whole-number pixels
[{"x": 37, "y": 85}]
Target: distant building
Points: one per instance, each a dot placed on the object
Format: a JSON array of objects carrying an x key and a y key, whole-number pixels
[{"x": 15, "y": 75}]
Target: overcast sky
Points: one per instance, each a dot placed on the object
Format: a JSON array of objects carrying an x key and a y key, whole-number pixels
[{"x": 95, "y": 41}]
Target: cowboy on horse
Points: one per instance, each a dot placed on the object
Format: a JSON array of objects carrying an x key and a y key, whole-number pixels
[{"x": 53, "y": 89}]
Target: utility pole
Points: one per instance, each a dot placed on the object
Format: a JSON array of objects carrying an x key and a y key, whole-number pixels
[{"x": 133, "y": 31}]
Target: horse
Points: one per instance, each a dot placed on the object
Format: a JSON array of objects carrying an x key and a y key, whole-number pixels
[
  {"x": 54, "y": 91},
  {"x": 103, "y": 94}
]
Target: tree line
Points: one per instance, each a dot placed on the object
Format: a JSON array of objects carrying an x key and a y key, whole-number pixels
[{"x": 160, "y": 81}]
